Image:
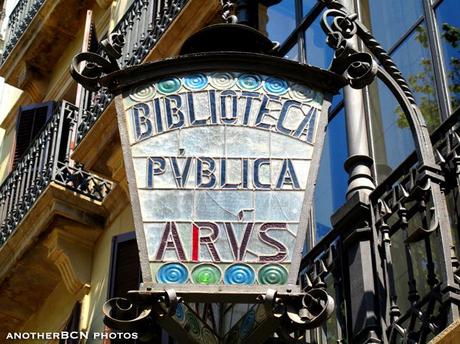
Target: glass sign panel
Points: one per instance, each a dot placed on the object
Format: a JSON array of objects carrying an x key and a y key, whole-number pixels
[{"x": 221, "y": 162}]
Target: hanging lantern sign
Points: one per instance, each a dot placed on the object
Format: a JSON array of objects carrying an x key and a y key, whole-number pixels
[{"x": 221, "y": 152}]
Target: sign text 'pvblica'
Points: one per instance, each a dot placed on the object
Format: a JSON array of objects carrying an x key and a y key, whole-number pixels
[{"x": 221, "y": 162}]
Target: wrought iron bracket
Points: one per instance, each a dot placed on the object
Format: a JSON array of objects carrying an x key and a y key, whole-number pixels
[
  {"x": 123, "y": 314},
  {"x": 299, "y": 310},
  {"x": 88, "y": 67}
]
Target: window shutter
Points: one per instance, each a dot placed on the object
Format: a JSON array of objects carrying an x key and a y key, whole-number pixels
[
  {"x": 125, "y": 272},
  {"x": 31, "y": 120}
]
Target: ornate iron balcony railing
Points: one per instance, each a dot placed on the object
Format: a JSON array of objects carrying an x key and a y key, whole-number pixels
[
  {"x": 45, "y": 161},
  {"x": 414, "y": 296},
  {"x": 18, "y": 21},
  {"x": 140, "y": 29}
]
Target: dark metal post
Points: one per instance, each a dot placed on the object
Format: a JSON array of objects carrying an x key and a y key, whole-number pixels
[
  {"x": 359, "y": 162},
  {"x": 354, "y": 219}
]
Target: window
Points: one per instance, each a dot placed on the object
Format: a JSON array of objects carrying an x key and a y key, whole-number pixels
[
  {"x": 31, "y": 120},
  {"x": 125, "y": 272}
]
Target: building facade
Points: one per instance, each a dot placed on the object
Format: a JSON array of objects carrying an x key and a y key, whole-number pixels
[{"x": 384, "y": 242}]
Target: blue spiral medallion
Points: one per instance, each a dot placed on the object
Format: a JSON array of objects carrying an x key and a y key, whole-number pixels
[
  {"x": 239, "y": 274},
  {"x": 169, "y": 85},
  {"x": 172, "y": 273},
  {"x": 249, "y": 82},
  {"x": 275, "y": 86},
  {"x": 195, "y": 82}
]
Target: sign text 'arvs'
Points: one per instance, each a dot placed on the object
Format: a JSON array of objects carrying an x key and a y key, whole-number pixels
[{"x": 205, "y": 236}]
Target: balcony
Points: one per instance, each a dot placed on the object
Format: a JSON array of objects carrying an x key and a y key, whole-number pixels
[
  {"x": 44, "y": 163},
  {"x": 51, "y": 212},
  {"x": 18, "y": 21},
  {"x": 37, "y": 33},
  {"x": 416, "y": 274}
]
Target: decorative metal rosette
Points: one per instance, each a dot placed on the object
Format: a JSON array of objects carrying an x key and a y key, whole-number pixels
[
  {"x": 276, "y": 86},
  {"x": 272, "y": 274},
  {"x": 169, "y": 85},
  {"x": 249, "y": 82},
  {"x": 195, "y": 82},
  {"x": 143, "y": 93},
  {"x": 302, "y": 93},
  {"x": 247, "y": 324},
  {"x": 222, "y": 81},
  {"x": 206, "y": 274},
  {"x": 172, "y": 273},
  {"x": 239, "y": 274}
]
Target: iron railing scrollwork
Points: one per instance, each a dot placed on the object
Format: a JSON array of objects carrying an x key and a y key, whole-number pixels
[
  {"x": 18, "y": 21},
  {"x": 127, "y": 45},
  {"x": 45, "y": 161},
  {"x": 415, "y": 299}
]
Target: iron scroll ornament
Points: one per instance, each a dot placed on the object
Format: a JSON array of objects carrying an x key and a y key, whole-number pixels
[
  {"x": 362, "y": 68},
  {"x": 96, "y": 65},
  {"x": 141, "y": 311}
]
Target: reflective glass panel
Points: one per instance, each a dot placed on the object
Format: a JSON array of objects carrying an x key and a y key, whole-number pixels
[
  {"x": 278, "y": 21},
  {"x": 307, "y": 5},
  {"x": 449, "y": 30},
  {"x": 390, "y": 19},
  {"x": 332, "y": 178},
  {"x": 390, "y": 130},
  {"x": 414, "y": 60}
]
